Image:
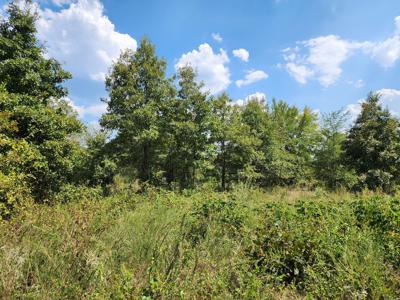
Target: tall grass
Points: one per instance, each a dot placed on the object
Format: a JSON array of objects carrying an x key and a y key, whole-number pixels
[{"x": 246, "y": 244}]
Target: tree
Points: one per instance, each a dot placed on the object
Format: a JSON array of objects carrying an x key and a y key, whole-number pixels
[
  {"x": 189, "y": 128},
  {"x": 256, "y": 115},
  {"x": 37, "y": 134},
  {"x": 372, "y": 146},
  {"x": 98, "y": 166},
  {"x": 138, "y": 100},
  {"x": 24, "y": 68},
  {"x": 236, "y": 146},
  {"x": 293, "y": 136},
  {"x": 329, "y": 167}
]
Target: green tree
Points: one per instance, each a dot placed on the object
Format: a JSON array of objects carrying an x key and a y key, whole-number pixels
[
  {"x": 372, "y": 146},
  {"x": 236, "y": 146},
  {"x": 24, "y": 68},
  {"x": 98, "y": 166},
  {"x": 329, "y": 167},
  {"x": 189, "y": 128},
  {"x": 293, "y": 136},
  {"x": 256, "y": 115},
  {"x": 37, "y": 133},
  {"x": 138, "y": 100}
]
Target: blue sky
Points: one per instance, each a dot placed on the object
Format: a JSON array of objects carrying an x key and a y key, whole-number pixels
[{"x": 326, "y": 54}]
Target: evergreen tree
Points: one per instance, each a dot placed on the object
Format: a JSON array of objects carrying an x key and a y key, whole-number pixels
[{"x": 372, "y": 146}]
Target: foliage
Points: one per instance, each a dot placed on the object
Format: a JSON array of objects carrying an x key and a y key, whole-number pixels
[
  {"x": 329, "y": 164},
  {"x": 289, "y": 142},
  {"x": 186, "y": 134},
  {"x": 239, "y": 244},
  {"x": 236, "y": 146},
  {"x": 97, "y": 166},
  {"x": 372, "y": 146},
  {"x": 37, "y": 149},
  {"x": 139, "y": 94}
]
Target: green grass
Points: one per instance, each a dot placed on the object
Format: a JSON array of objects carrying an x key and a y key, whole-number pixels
[{"x": 246, "y": 244}]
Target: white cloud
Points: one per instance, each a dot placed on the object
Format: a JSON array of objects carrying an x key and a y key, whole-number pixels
[
  {"x": 322, "y": 58},
  {"x": 217, "y": 37},
  {"x": 300, "y": 72},
  {"x": 82, "y": 37},
  {"x": 241, "y": 53},
  {"x": 251, "y": 77},
  {"x": 391, "y": 99},
  {"x": 210, "y": 67},
  {"x": 93, "y": 110},
  {"x": 357, "y": 84},
  {"x": 387, "y": 52},
  {"x": 397, "y": 23},
  {"x": 322, "y": 61},
  {"x": 261, "y": 97}
]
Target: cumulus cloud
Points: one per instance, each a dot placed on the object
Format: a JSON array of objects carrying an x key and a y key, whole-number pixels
[
  {"x": 81, "y": 36},
  {"x": 261, "y": 97},
  {"x": 210, "y": 67},
  {"x": 242, "y": 54},
  {"x": 387, "y": 52},
  {"x": 251, "y": 77},
  {"x": 390, "y": 99},
  {"x": 300, "y": 73},
  {"x": 322, "y": 58},
  {"x": 217, "y": 37}
]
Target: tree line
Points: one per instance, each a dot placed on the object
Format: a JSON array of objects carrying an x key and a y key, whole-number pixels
[{"x": 169, "y": 132}]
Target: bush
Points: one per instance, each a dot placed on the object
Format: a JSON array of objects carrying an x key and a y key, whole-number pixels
[
  {"x": 245, "y": 244},
  {"x": 317, "y": 248},
  {"x": 70, "y": 193}
]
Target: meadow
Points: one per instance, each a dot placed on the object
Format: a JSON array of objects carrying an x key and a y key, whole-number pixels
[{"x": 242, "y": 244}]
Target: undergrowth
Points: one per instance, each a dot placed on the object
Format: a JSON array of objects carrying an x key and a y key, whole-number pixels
[{"x": 245, "y": 244}]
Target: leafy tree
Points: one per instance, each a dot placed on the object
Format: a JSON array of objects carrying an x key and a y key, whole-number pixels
[
  {"x": 293, "y": 136},
  {"x": 256, "y": 115},
  {"x": 236, "y": 146},
  {"x": 38, "y": 127},
  {"x": 329, "y": 167},
  {"x": 138, "y": 94},
  {"x": 372, "y": 146},
  {"x": 98, "y": 166},
  {"x": 189, "y": 129}
]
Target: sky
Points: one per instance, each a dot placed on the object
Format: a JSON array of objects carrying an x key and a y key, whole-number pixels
[{"x": 324, "y": 54}]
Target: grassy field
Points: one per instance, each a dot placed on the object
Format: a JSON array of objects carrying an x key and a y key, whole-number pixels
[{"x": 245, "y": 244}]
